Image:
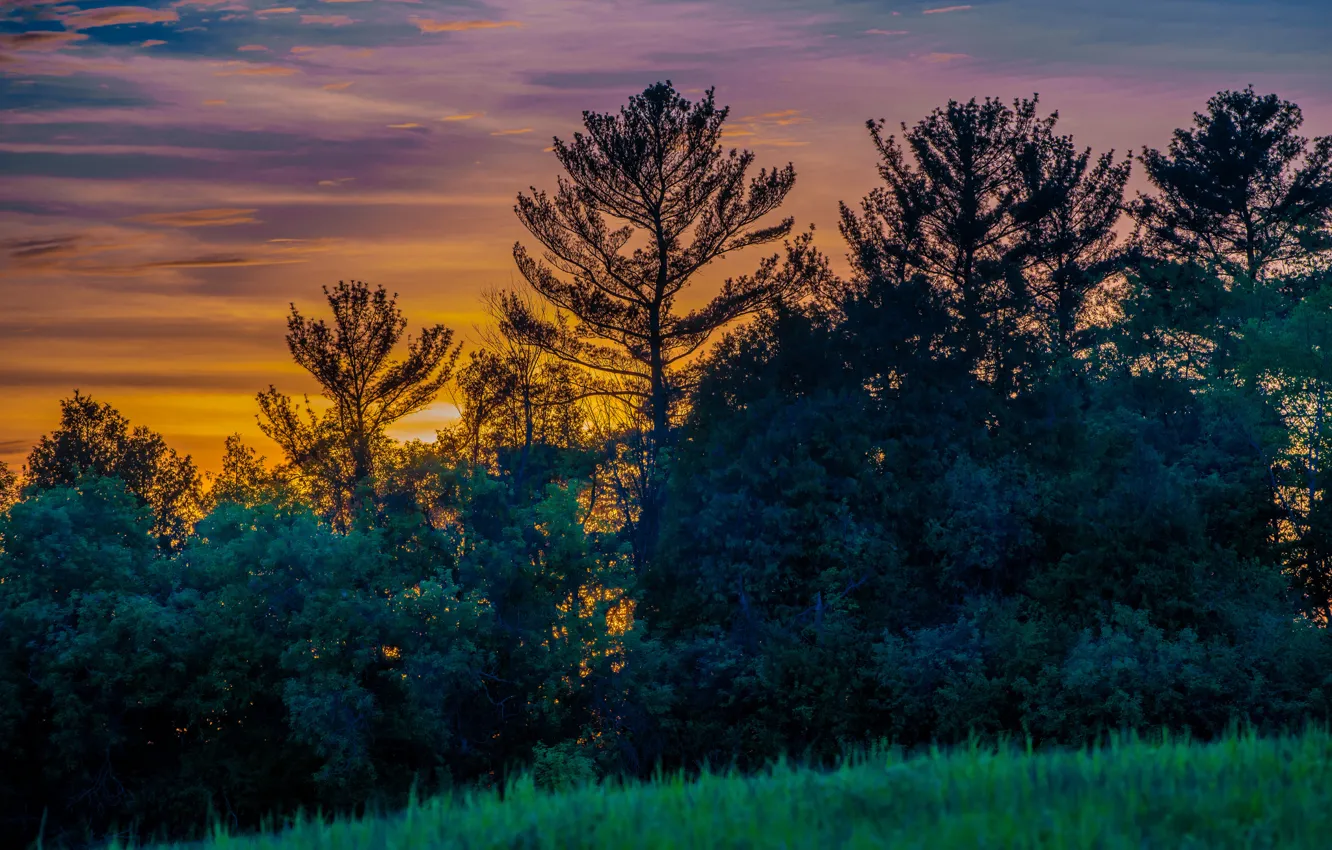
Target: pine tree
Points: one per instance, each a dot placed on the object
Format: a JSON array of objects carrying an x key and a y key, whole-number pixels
[
  {"x": 656, "y": 172},
  {"x": 367, "y": 391}
]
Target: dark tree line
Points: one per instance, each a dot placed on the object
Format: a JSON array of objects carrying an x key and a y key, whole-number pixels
[{"x": 1049, "y": 461}]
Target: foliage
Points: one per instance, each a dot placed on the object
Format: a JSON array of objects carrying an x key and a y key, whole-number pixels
[
  {"x": 276, "y": 663},
  {"x": 8, "y": 486},
  {"x": 561, "y": 767},
  {"x": 94, "y": 439}
]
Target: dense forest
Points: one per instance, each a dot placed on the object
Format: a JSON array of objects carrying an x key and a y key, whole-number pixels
[{"x": 1048, "y": 462}]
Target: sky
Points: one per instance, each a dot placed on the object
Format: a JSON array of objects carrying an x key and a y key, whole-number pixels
[{"x": 174, "y": 175}]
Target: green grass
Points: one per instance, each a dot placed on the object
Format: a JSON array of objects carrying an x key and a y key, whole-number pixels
[{"x": 1240, "y": 792}]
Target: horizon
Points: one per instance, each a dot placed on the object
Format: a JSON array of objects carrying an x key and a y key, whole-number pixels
[{"x": 170, "y": 189}]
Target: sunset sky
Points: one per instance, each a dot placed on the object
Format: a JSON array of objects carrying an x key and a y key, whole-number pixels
[{"x": 172, "y": 175}]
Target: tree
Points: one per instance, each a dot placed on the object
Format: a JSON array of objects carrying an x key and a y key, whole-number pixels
[
  {"x": 1069, "y": 208},
  {"x": 245, "y": 478},
  {"x": 517, "y": 397},
  {"x": 367, "y": 391},
  {"x": 85, "y": 676},
  {"x": 1238, "y": 220},
  {"x": 8, "y": 487},
  {"x": 952, "y": 218},
  {"x": 1289, "y": 361},
  {"x": 96, "y": 440},
  {"x": 657, "y": 169},
  {"x": 1240, "y": 192},
  {"x": 1234, "y": 237}
]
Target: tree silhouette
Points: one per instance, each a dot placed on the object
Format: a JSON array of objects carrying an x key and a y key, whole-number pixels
[
  {"x": 514, "y": 394},
  {"x": 8, "y": 486},
  {"x": 1241, "y": 209},
  {"x": 1068, "y": 210},
  {"x": 1240, "y": 192},
  {"x": 951, "y": 217},
  {"x": 245, "y": 478},
  {"x": 656, "y": 172},
  {"x": 95, "y": 439},
  {"x": 367, "y": 391}
]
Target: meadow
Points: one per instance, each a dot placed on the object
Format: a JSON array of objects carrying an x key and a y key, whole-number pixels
[{"x": 1240, "y": 791}]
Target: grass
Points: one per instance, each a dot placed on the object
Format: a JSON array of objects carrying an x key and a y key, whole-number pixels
[{"x": 1242, "y": 791}]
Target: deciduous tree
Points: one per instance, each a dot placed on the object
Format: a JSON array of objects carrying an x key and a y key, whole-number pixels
[{"x": 95, "y": 439}]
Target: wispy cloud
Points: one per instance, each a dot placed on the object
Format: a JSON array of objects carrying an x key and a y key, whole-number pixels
[
  {"x": 943, "y": 10},
  {"x": 336, "y": 181},
  {"x": 152, "y": 42},
  {"x": 517, "y": 132},
  {"x": 277, "y": 10},
  {"x": 110, "y": 16},
  {"x": 432, "y": 25},
  {"x": 244, "y": 48},
  {"x": 257, "y": 71},
  {"x": 885, "y": 32},
  {"x": 753, "y": 129},
  {"x": 409, "y": 125},
  {"x": 221, "y": 217},
  {"x": 783, "y": 117},
  {"x": 939, "y": 58},
  {"x": 338, "y": 86},
  {"x": 55, "y": 251},
  {"x": 39, "y": 40},
  {"x": 209, "y": 261},
  {"x": 52, "y": 246},
  {"x": 328, "y": 20},
  {"x": 214, "y": 102},
  {"x": 465, "y": 116},
  {"x": 105, "y": 254}
]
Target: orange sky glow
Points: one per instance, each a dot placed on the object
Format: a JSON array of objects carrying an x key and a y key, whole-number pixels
[{"x": 173, "y": 174}]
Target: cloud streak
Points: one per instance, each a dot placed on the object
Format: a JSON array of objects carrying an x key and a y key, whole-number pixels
[
  {"x": 328, "y": 20},
  {"x": 40, "y": 40},
  {"x": 427, "y": 25},
  {"x": 257, "y": 71},
  {"x": 943, "y": 58},
  {"x": 218, "y": 217},
  {"x": 943, "y": 10},
  {"x": 111, "y": 16}
]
